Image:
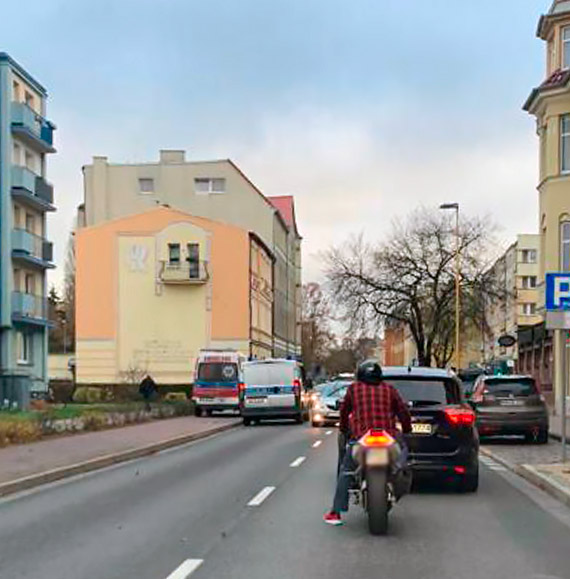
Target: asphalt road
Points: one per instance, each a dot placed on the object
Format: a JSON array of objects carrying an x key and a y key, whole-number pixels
[{"x": 232, "y": 506}]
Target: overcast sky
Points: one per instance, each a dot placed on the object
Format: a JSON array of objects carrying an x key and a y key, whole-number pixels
[{"x": 362, "y": 109}]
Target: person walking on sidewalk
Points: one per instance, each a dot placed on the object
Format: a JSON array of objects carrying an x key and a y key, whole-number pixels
[{"x": 148, "y": 390}]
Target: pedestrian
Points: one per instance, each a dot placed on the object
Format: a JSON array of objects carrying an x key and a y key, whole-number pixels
[{"x": 148, "y": 390}]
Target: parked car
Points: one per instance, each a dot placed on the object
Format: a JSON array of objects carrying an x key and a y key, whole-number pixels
[
  {"x": 468, "y": 378},
  {"x": 510, "y": 405},
  {"x": 272, "y": 389},
  {"x": 325, "y": 407},
  {"x": 444, "y": 439}
]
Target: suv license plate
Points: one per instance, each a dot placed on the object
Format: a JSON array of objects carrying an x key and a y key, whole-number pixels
[
  {"x": 511, "y": 402},
  {"x": 421, "y": 428}
]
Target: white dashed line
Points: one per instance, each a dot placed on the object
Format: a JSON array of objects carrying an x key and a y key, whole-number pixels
[
  {"x": 297, "y": 462},
  {"x": 317, "y": 443},
  {"x": 185, "y": 569},
  {"x": 328, "y": 432},
  {"x": 260, "y": 497}
]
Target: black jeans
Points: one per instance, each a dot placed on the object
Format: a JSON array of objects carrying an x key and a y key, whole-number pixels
[{"x": 347, "y": 465}]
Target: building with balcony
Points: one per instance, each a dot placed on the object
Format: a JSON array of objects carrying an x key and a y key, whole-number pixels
[
  {"x": 216, "y": 190},
  {"x": 26, "y": 138},
  {"x": 549, "y": 103},
  {"x": 156, "y": 287}
]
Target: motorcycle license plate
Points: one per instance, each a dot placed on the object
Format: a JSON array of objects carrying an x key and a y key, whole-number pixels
[
  {"x": 421, "y": 428},
  {"x": 377, "y": 457}
]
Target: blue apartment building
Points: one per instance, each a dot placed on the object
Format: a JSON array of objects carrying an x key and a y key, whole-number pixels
[{"x": 26, "y": 139}]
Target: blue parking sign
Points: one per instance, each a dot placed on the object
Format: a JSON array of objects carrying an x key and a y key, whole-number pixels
[{"x": 557, "y": 291}]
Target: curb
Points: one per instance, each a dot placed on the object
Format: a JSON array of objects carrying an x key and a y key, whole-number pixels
[
  {"x": 533, "y": 476},
  {"x": 48, "y": 476}
]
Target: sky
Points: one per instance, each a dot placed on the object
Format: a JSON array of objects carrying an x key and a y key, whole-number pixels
[{"x": 361, "y": 109}]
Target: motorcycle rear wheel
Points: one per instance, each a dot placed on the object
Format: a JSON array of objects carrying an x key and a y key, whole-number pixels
[{"x": 377, "y": 501}]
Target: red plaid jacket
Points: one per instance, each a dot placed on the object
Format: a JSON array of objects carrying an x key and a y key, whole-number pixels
[{"x": 367, "y": 406}]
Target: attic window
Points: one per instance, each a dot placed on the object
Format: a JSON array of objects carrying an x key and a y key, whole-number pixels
[
  {"x": 205, "y": 186},
  {"x": 146, "y": 186},
  {"x": 566, "y": 47}
]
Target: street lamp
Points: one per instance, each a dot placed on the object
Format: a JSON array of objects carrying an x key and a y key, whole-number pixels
[{"x": 455, "y": 207}]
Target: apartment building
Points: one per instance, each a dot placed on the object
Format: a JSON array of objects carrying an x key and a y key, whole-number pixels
[
  {"x": 216, "y": 190},
  {"x": 549, "y": 103},
  {"x": 26, "y": 139}
]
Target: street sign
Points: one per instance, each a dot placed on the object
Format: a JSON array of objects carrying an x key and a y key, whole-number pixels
[
  {"x": 506, "y": 341},
  {"x": 558, "y": 320},
  {"x": 557, "y": 291}
]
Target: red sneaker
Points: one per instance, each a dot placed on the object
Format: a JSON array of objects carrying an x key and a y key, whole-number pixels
[{"x": 332, "y": 518}]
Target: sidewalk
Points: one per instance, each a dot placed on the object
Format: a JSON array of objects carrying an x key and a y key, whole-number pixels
[{"x": 28, "y": 465}]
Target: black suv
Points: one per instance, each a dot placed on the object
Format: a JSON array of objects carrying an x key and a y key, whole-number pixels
[{"x": 444, "y": 438}]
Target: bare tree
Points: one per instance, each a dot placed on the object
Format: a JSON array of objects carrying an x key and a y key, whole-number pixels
[
  {"x": 410, "y": 279},
  {"x": 316, "y": 335},
  {"x": 68, "y": 300}
]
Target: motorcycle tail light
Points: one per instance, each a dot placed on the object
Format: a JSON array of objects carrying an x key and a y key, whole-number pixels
[
  {"x": 460, "y": 416},
  {"x": 379, "y": 438}
]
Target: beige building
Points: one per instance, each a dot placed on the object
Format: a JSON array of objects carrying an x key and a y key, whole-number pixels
[
  {"x": 516, "y": 308},
  {"x": 215, "y": 190},
  {"x": 550, "y": 104}
]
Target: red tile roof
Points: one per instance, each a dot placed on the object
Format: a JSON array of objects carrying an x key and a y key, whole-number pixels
[
  {"x": 558, "y": 79},
  {"x": 285, "y": 204}
]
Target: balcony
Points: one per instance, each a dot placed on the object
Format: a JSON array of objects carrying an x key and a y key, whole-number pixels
[
  {"x": 29, "y": 308},
  {"x": 32, "y": 249},
  {"x": 193, "y": 273},
  {"x": 32, "y": 189},
  {"x": 32, "y": 128}
]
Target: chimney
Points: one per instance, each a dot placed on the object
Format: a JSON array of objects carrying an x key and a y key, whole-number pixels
[{"x": 171, "y": 156}]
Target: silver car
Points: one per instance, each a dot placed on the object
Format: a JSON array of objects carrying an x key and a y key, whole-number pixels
[{"x": 326, "y": 402}]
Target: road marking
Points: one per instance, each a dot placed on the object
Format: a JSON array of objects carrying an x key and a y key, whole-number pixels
[
  {"x": 260, "y": 497},
  {"x": 328, "y": 432},
  {"x": 185, "y": 569},
  {"x": 317, "y": 443},
  {"x": 298, "y": 462}
]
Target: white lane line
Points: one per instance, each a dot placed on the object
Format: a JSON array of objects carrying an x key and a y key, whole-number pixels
[
  {"x": 298, "y": 462},
  {"x": 260, "y": 497},
  {"x": 317, "y": 443},
  {"x": 185, "y": 569},
  {"x": 328, "y": 432}
]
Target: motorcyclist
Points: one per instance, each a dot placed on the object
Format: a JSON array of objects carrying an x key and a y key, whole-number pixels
[{"x": 369, "y": 403}]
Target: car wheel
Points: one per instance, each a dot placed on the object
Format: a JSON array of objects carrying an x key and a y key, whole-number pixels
[
  {"x": 470, "y": 482},
  {"x": 299, "y": 418},
  {"x": 246, "y": 421},
  {"x": 315, "y": 424},
  {"x": 209, "y": 412},
  {"x": 197, "y": 411},
  {"x": 542, "y": 437}
]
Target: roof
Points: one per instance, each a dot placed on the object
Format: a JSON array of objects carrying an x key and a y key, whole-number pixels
[
  {"x": 507, "y": 377},
  {"x": 557, "y": 80},
  {"x": 4, "y": 57},
  {"x": 394, "y": 371},
  {"x": 285, "y": 204},
  {"x": 559, "y": 8}
]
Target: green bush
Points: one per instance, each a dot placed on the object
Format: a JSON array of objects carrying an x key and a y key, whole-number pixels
[{"x": 89, "y": 395}]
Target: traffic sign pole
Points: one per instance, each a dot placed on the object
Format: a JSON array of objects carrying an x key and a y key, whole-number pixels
[{"x": 565, "y": 346}]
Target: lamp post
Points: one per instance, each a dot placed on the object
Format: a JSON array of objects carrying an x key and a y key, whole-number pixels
[{"x": 455, "y": 207}]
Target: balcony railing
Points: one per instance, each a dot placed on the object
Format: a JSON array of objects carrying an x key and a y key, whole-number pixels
[
  {"x": 29, "y": 306},
  {"x": 193, "y": 273},
  {"x": 25, "y": 180},
  {"x": 30, "y": 245},
  {"x": 32, "y": 127}
]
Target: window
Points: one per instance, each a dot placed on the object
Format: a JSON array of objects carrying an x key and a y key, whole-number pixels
[
  {"x": 17, "y": 280},
  {"x": 30, "y": 284},
  {"x": 16, "y": 94},
  {"x": 29, "y": 99},
  {"x": 217, "y": 372},
  {"x": 528, "y": 309},
  {"x": 30, "y": 223},
  {"x": 194, "y": 260},
  {"x": 528, "y": 281},
  {"x": 24, "y": 347},
  {"x": 17, "y": 213},
  {"x": 529, "y": 255},
  {"x": 205, "y": 186},
  {"x": 565, "y": 143},
  {"x": 30, "y": 161},
  {"x": 146, "y": 186},
  {"x": 565, "y": 246},
  {"x": 174, "y": 253},
  {"x": 16, "y": 154},
  {"x": 566, "y": 47}
]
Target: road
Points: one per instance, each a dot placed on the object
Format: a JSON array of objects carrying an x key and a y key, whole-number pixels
[{"x": 233, "y": 507}]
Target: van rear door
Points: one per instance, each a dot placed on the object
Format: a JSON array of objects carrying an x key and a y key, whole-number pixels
[{"x": 270, "y": 385}]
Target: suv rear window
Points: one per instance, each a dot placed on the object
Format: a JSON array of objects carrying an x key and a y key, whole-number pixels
[
  {"x": 427, "y": 392},
  {"x": 518, "y": 387},
  {"x": 268, "y": 374},
  {"x": 217, "y": 372}
]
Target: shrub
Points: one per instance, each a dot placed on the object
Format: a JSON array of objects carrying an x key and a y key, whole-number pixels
[
  {"x": 176, "y": 397},
  {"x": 89, "y": 395}
]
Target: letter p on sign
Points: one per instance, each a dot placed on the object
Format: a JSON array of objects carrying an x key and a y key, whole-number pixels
[{"x": 562, "y": 292}]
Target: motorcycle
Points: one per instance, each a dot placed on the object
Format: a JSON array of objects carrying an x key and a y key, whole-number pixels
[{"x": 378, "y": 481}]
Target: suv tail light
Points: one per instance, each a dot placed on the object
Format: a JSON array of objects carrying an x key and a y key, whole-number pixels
[
  {"x": 296, "y": 386},
  {"x": 377, "y": 438},
  {"x": 460, "y": 416},
  {"x": 241, "y": 387}
]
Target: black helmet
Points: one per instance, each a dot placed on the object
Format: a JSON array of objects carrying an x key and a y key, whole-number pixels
[{"x": 369, "y": 372}]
